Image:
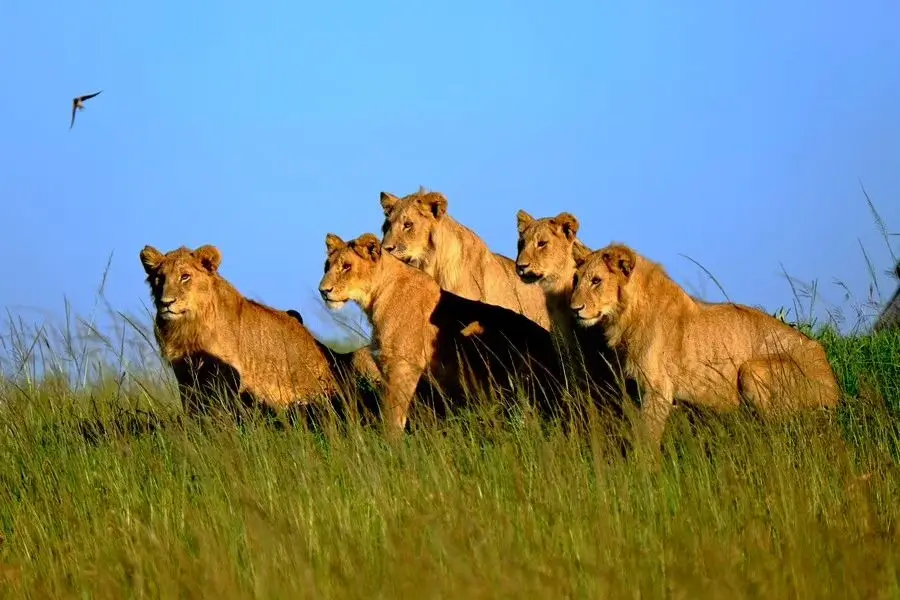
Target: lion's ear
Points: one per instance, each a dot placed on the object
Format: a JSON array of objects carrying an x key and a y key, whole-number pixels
[
  {"x": 368, "y": 246},
  {"x": 619, "y": 258},
  {"x": 568, "y": 223},
  {"x": 333, "y": 242},
  {"x": 580, "y": 253},
  {"x": 151, "y": 258},
  {"x": 436, "y": 204},
  {"x": 209, "y": 256},
  {"x": 523, "y": 220},
  {"x": 388, "y": 201}
]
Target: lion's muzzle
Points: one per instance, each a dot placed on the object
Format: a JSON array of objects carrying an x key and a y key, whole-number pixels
[
  {"x": 165, "y": 310},
  {"x": 581, "y": 318},
  {"x": 526, "y": 274}
]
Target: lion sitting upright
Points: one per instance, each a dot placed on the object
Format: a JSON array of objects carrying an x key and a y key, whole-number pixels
[
  {"x": 214, "y": 337},
  {"x": 418, "y": 231},
  {"x": 682, "y": 349},
  {"x": 548, "y": 254},
  {"x": 420, "y": 329}
]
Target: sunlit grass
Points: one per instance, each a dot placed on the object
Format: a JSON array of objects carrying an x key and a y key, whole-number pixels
[
  {"x": 103, "y": 488},
  {"x": 107, "y": 492}
]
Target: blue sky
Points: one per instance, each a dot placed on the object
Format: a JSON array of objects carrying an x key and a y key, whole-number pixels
[{"x": 736, "y": 135}]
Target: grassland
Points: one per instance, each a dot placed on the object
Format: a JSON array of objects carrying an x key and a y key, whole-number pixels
[{"x": 106, "y": 493}]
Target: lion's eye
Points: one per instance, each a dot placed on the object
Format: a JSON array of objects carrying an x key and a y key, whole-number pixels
[
  {"x": 407, "y": 226},
  {"x": 596, "y": 281},
  {"x": 185, "y": 277},
  {"x": 346, "y": 267},
  {"x": 542, "y": 243}
]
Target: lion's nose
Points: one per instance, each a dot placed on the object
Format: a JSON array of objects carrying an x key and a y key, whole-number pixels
[
  {"x": 167, "y": 302},
  {"x": 577, "y": 309},
  {"x": 522, "y": 269},
  {"x": 325, "y": 292},
  {"x": 389, "y": 247}
]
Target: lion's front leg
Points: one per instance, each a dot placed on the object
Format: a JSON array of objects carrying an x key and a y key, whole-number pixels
[
  {"x": 401, "y": 379},
  {"x": 656, "y": 405}
]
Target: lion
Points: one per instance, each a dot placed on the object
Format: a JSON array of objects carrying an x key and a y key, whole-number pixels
[
  {"x": 428, "y": 337},
  {"x": 718, "y": 355},
  {"x": 548, "y": 254},
  {"x": 214, "y": 337},
  {"x": 418, "y": 231}
]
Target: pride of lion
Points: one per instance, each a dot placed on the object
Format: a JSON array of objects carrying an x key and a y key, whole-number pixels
[{"x": 452, "y": 321}]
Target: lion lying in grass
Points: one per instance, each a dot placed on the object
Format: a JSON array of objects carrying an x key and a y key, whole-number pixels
[
  {"x": 420, "y": 329},
  {"x": 216, "y": 340},
  {"x": 418, "y": 231},
  {"x": 679, "y": 348}
]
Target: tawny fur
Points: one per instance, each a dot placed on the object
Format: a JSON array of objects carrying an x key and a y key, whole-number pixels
[
  {"x": 422, "y": 330},
  {"x": 418, "y": 230},
  {"x": 548, "y": 253},
  {"x": 205, "y": 329},
  {"x": 682, "y": 349}
]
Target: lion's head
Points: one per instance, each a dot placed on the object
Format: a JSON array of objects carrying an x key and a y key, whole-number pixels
[
  {"x": 598, "y": 283},
  {"x": 181, "y": 281},
  {"x": 546, "y": 247},
  {"x": 349, "y": 269},
  {"x": 409, "y": 223}
]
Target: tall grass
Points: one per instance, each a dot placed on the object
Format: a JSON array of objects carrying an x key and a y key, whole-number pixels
[{"x": 105, "y": 492}]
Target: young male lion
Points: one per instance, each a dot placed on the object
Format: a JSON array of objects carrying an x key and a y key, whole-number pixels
[
  {"x": 214, "y": 337},
  {"x": 418, "y": 231},
  {"x": 679, "y": 348},
  {"x": 421, "y": 329},
  {"x": 548, "y": 254}
]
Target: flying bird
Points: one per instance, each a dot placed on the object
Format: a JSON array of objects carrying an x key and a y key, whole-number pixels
[{"x": 78, "y": 104}]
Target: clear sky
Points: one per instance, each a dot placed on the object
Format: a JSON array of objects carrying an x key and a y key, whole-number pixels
[{"x": 735, "y": 133}]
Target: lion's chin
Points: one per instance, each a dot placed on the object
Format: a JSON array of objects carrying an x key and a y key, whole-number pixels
[
  {"x": 529, "y": 277},
  {"x": 169, "y": 315},
  {"x": 406, "y": 259},
  {"x": 588, "y": 321},
  {"x": 335, "y": 304}
]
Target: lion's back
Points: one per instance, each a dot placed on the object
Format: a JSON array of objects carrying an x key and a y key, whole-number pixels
[
  {"x": 467, "y": 267},
  {"x": 700, "y": 335},
  {"x": 280, "y": 357},
  {"x": 493, "y": 337},
  {"x": 520, "y": 296}
]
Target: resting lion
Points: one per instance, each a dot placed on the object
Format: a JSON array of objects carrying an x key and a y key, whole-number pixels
[
  {"x": 682, "y": 349},
  {"x": 213, "y": 337},
  {"x": 421, "y": 329},
  {"x": 548, "y": 252},
  {"x": 418, "y": 231}
]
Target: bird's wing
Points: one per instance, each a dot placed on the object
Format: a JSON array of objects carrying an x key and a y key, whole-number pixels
[
  {"x": 73, "y": 116},
  {"x": 89, "y": 96}
]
